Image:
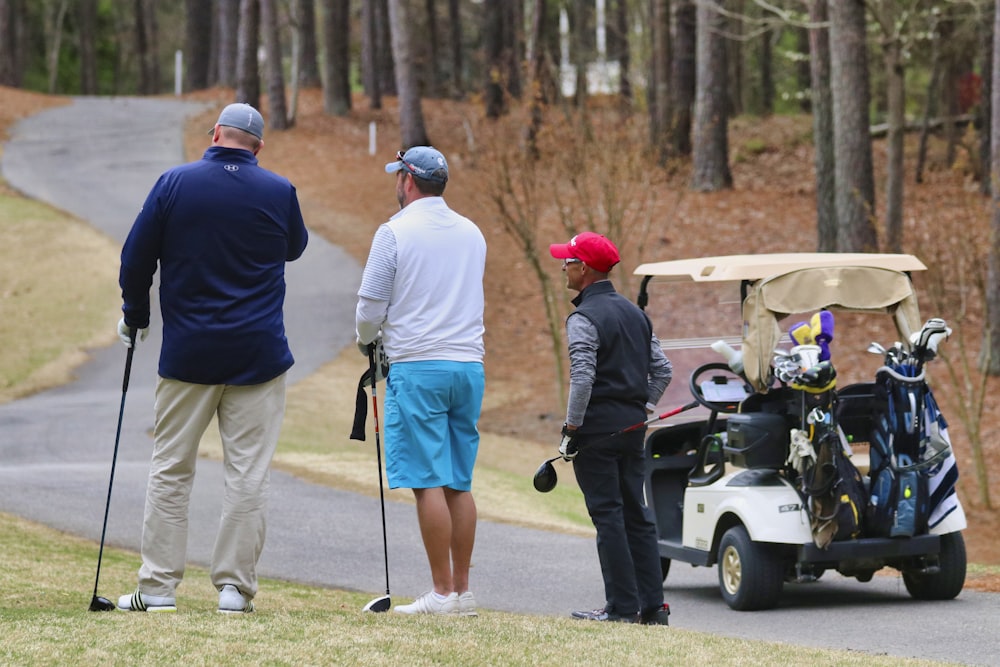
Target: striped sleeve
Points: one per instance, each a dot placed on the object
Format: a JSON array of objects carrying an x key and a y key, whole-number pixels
[{"x": 380, "y": 270}]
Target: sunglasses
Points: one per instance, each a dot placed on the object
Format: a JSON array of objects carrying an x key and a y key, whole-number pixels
[
  {"x": 407, "y": 165},
  {"x": 571, "y": 260}
]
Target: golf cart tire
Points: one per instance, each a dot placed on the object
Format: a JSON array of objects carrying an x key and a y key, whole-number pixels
[
  {"x": 751, "y": 575},
  {"x": 664, "y": 567},
  {"x": 948, "y": 581}
]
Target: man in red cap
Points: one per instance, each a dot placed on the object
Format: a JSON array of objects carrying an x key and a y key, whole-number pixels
[{"x": 618, "y": 372}]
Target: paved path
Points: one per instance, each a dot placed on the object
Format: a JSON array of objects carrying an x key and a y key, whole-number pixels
[{"x": 55, "y": 447}]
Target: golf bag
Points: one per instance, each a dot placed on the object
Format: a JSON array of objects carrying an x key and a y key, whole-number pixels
[
  {"x": 835, "y": 491},
  {"x": 913, "y": 470}
]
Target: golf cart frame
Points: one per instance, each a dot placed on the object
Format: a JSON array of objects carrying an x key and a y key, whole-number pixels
[{"x": 736, "y": 502}]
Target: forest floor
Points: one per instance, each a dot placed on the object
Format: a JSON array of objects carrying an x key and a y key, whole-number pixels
[{"x": 345, "y": 195}]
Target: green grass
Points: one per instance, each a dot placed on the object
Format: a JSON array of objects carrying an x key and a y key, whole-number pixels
[{"x": 47, "y": 580}]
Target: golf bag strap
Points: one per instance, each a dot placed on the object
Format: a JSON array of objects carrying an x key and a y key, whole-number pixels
[{"x": 361, "y": 407}]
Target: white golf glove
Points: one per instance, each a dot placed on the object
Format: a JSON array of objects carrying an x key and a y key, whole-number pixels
[
  {"x": 567, "y": 446},
  {"x": 381, "y": 361},
  {"x": 124, "y": 333}
]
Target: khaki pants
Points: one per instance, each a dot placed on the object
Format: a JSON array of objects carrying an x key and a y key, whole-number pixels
[{"x": 249, "y": 423}]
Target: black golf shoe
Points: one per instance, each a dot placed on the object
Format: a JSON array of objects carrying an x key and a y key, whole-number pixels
[
  {"x": 605, "y": 615},
  {"x": 657, "y": 616}
]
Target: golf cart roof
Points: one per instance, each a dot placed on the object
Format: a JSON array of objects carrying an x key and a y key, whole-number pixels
[
  {"x": 757, "y": 267},
  {"x": 774, "y": 286}
]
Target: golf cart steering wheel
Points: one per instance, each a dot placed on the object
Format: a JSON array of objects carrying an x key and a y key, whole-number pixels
[{"x": 730, "y": 393}]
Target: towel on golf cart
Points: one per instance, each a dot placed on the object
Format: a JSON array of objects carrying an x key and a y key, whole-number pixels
[{"x": 913, "y": 468}]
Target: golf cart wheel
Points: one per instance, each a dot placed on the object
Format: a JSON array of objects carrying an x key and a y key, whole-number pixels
[
  {"x": 948, "y": 581},
  {"x": 664, "y": 567},
  {"x": 751, "y": 575}
]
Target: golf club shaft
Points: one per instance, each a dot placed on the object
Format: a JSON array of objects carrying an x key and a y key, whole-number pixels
[
  {"x": 114, "y": 456},
  {"x": 651, "y": 420},
  {"x": 378, "y": 456}
]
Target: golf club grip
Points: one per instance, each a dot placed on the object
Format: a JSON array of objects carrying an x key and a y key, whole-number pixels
[
  {"x": 132, "y": 331},
  {"x": 671, "y": 413}
]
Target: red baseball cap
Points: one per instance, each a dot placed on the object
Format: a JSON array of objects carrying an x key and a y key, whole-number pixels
[{"x": 594, "y": 250}]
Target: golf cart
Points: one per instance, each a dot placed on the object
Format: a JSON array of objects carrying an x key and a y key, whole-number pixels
[{"x": 790, "y": 467}]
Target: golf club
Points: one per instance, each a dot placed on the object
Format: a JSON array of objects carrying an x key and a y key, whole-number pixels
[
  {"x": 98, "y": 603},
  {"x": 545, "y": 477},
  {"x": 382, "y": 603}
]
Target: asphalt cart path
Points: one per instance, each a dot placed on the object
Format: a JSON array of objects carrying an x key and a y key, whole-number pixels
[{"x": 97, "y": 159}]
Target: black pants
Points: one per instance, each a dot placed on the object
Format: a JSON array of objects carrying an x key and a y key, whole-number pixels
[{"x": 611, "y": 477}]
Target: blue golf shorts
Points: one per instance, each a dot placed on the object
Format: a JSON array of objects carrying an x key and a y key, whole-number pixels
[{"x": 431, "y": 415}]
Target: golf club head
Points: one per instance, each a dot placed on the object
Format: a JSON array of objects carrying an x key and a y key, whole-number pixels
[
  {"x": 545, "y": 477},
  {"x": 378, "y": 605},
  {"x": 98, "y": 603},
  {"x": 876, "y": 348}
]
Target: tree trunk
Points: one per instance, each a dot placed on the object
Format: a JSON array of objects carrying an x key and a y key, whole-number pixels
[
  {"x": 580, "y": 25},
  {"x": 228, "y": 22},
  {"x": 536, "y": 83},
  {"x": 369, "y": 36},
  {"x": 711, "y": 132},
  {"x": 734, "y": 53},
  {"x": 990, "y": 357},
  {"x": 86, "y": 12},
  {"x": 11, "y": 47},
  {"x": 930, "y": 106},
  {"x": 822, "y": 115},
  {"x": 197, "y": 43},
  {"x": 896, "y": 93},
  {"x": 766, "y": 72},
  {"x": 493, "y": 98},
  {"x": 803, "y": 75},
  {"x": 986, "y": 104},
  {"x": 275, "y": 68},
  {"x": 386, "y": 70},
  {"x": 682, "y": 73},
  {"x": 513, "y": 51},
  {"x": 153, "y": 41},
  {"x": 659, "y": 90},
  {"x": 433, "y": 68},
  {"x": 247, "y": 72},
  {"x": 854, "y": 173},
  {"x": 53, "y": 38},
  {"x": 336, "y": 38},
  {"x": 308, "y": 60},
  {"x": 412, "y": 130},
  {"x": 457, "y": 52},
  {"x": 618, "y": 50}
]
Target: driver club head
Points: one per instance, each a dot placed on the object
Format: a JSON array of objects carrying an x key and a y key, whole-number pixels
[
  {"x": 98, "y": 603},
  {"x": 545, "y": 477},
  {"x": 378, "y": 605}
]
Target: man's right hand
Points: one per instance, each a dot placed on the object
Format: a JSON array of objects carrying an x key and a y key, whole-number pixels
[
  {"x": 567, "y": 446},
  {"x": 126, "y": 333}
]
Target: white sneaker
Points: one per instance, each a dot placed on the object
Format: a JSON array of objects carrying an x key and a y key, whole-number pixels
[
  {"x": 152, "y": 603},
  {"x": 231, "y": 601},
  {"x": 467, "y": 604},
  {"x": 429, "y": 603}
]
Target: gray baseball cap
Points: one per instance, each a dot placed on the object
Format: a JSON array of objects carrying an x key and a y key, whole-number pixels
[
  {"x": 423, "y": 162},
  {"x": 244, "y": 117}
]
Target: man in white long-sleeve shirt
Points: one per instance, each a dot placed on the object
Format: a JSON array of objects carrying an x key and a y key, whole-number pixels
[{"x": 422, "y": 293}]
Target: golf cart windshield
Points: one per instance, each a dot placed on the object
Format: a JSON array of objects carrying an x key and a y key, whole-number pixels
[{"x": 774, "y": 286}]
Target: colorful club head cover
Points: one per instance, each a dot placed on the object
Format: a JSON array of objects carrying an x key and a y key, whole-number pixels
[
  {"x": 801, "y": 334},
  {"x": 822, "y": 332}
]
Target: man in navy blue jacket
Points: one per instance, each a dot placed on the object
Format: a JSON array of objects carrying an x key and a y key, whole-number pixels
[{"x": 221, "y": 230}]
